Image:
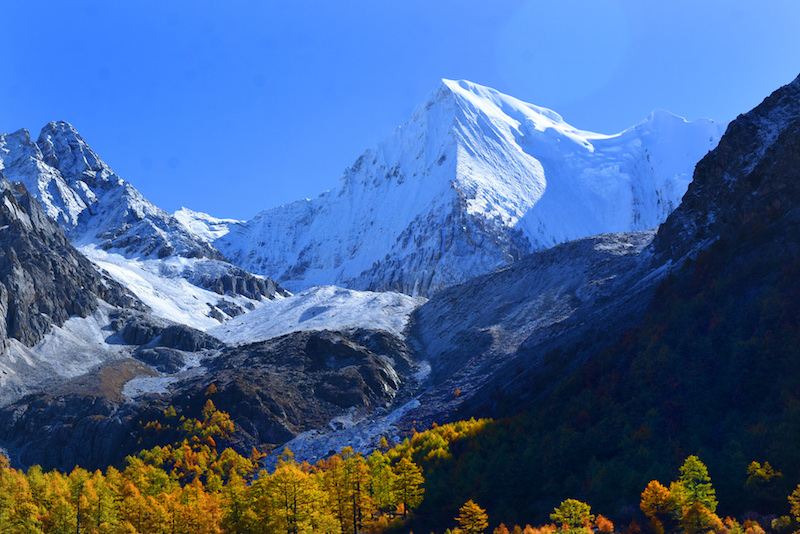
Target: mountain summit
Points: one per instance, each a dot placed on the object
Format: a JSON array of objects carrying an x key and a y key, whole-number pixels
[
  {"x": 472, "y": 182},
  {"x": 78, "y": 190}
]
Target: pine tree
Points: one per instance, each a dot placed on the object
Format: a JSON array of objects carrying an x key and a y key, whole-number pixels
[
  {"x": 356, "y": 474},
  {"x": 794, "y": 503},
  {"x": 408, "y": 485},
  {"x": 472, "y": 518},
  {"x": 696, "y": 484}
]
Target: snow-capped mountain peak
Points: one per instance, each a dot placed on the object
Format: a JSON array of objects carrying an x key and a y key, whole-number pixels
[
  {"x": 518, "y": 115},
  {"x": 78, "y": 190},
  {"x": 64, "y": 149},
  {"x": 474, "y": 180}
]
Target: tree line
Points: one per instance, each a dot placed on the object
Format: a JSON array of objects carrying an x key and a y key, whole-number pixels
[{"x": 190, "y": 487}]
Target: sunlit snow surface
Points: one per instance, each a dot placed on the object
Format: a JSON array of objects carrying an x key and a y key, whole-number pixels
[
  {"x": 162, "y": 285},
  {"x": 203, "y": 225},
  {"x": 321, "y": 308}
]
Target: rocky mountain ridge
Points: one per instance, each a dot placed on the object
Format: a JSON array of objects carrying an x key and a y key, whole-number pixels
[
  {"x": 44, "y": 280},
  {"x": 743, "y": 182},
  {"x": 117, "y": 227},
  {"x": 79, "y": 191}
]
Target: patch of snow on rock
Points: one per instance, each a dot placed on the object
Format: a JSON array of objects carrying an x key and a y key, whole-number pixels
[
  {"x": 321, "y": 308},
  {"x": 203, "y": 225}
]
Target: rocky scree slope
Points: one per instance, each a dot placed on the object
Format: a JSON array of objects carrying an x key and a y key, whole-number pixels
[
  {"x": 490, "y": 337},
  {"x": 273, "y": 390},
  {"x": 474, "y": 180}
]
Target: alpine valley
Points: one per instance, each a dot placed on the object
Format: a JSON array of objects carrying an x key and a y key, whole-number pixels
[{"x": 609, "y": 299}]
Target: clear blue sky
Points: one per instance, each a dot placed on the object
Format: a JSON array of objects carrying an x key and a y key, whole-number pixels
[{"x": 233, "y": 107}]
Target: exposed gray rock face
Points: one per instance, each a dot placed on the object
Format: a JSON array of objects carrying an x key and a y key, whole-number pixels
[
  {"x": 147, "y": 330},
  {"x": 43, "y": 279},
  {"x": 297, "y": 382},
  {"x": 165, "y": 360},
  {"x": 227, "y": 279},
  {"x": 75, "y": 423}
]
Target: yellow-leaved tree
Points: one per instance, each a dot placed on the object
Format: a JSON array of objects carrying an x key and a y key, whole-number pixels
[
  {"x": 472, "y": 518},
  {"x": 574, "y": 516},
  {"x": 408, "y": 485}
]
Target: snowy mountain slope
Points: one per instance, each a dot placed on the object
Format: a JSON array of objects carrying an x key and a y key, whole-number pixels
[
  {"x": 173, "y": 287},
  {"x": 112, "y": 223},
  {"x": 473, "y": 181},
  {"x": 202, "y": 225},
  {"x": 321, "y": 308}
]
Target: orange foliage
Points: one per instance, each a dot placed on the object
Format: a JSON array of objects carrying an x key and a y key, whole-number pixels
[
  {"x": 604, "y": 524},
  {"x": 655, "y": 499}
]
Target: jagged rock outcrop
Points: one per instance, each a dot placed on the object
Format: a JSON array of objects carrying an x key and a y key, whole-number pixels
[
  {"x": 124, "y": 233},
  {"x": 137, "y": 329},
  {"x": 300, "y": 381},
  {"x": 749, "y": 181},
  {"x": 79, "y": 191},
  {"x": 163, "y": 359},
  {"x": 227, "y": 279},
  {"x": 44, "y": 280}
]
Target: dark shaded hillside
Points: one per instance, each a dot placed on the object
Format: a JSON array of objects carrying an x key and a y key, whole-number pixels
[{"x": 711, "y": 370}]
